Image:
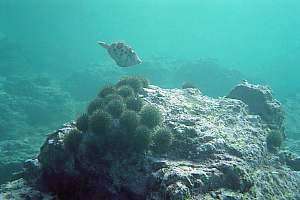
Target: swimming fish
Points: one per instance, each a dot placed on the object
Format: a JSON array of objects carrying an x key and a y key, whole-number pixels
[{"x": 121, "y": 53}]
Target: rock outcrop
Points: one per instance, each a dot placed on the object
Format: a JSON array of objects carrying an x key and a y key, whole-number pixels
[
  {"x": 219, "y": 151},
  {"x": 261, "y": 102}
]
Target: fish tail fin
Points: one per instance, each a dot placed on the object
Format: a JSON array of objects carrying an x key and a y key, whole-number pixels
[{"x": 103, "y": 44}]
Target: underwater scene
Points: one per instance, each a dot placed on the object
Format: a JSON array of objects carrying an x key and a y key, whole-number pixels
[{"x": 149, "y": 100}]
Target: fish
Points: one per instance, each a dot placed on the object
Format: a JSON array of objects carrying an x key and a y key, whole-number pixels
[{"x": 121, "y": 53}]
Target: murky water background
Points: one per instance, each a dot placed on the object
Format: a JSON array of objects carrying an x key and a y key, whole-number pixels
[{"x": 50, "y": 64}]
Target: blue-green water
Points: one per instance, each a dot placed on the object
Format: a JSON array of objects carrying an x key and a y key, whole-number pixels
[
  {"x": 48, "y": 51},
  {"x": 260, "y": 38}
]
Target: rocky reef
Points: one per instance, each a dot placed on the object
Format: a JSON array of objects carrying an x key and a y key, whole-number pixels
[
  {"x": 30, "y": 105},
  {"x": 26, "y": 104},
  {"x": 291, "y": 105},
  {"x": 217, "y": 148},
  {"x": 179, "y": 72}
]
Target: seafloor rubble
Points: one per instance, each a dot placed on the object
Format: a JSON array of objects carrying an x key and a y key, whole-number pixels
[{"x": 219, "y": 150}]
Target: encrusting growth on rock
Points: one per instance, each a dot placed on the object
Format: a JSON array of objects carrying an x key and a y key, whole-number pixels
[{"x": 179, "y": 144}]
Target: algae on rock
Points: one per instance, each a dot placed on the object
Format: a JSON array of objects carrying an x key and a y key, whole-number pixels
[{"x": 218, "y": 151}]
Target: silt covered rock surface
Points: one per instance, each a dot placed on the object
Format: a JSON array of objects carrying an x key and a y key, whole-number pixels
[{"x": 219, "y": 151}]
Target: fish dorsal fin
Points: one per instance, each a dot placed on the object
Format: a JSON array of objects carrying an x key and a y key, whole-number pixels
[{"x": 103, "y": 44}]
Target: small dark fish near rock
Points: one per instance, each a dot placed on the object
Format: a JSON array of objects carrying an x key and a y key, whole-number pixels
[{"x": 122, "y": 54}]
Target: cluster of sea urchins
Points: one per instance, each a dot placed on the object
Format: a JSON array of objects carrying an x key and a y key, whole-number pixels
[{"x": 118, "y": 121}]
